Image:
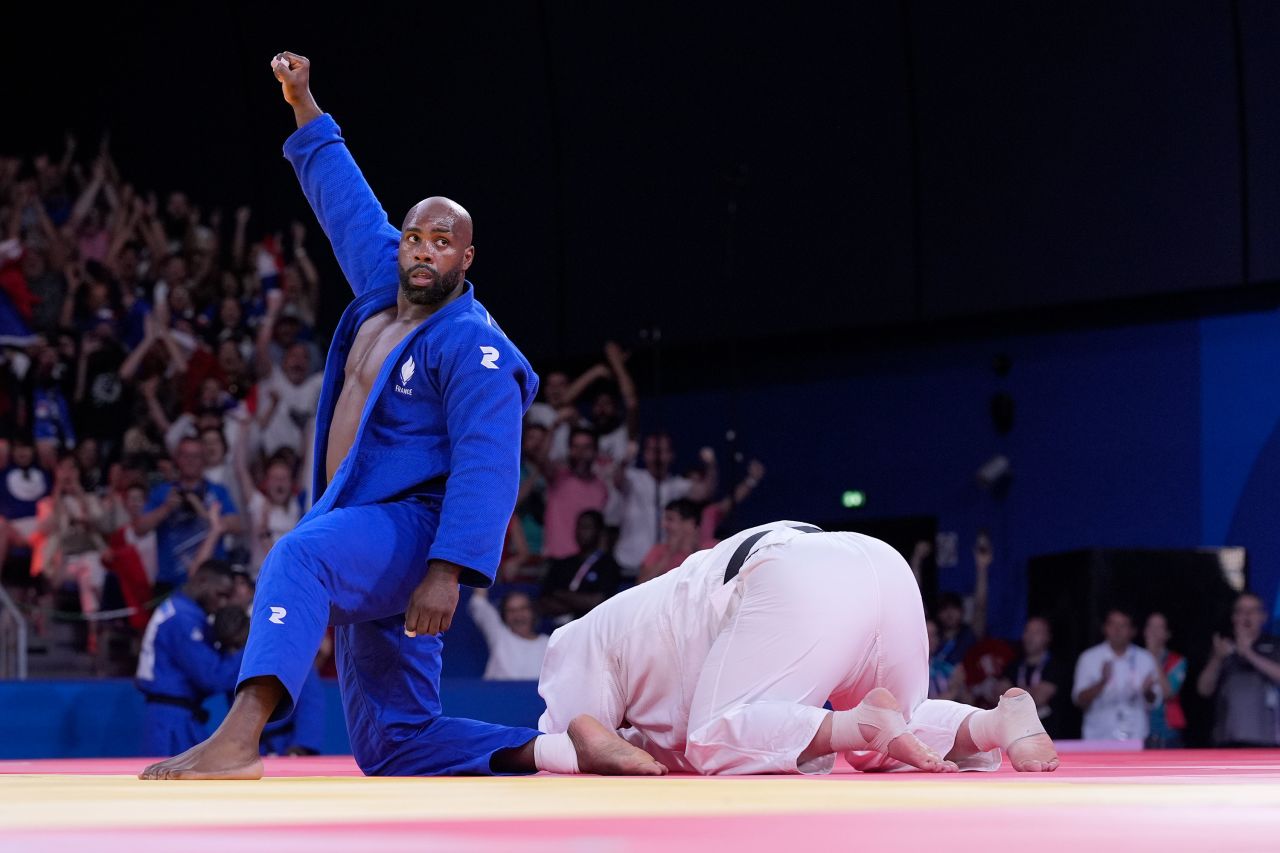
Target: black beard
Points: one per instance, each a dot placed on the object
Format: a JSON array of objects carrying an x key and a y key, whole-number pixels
[{"x": 435, "y": 293}]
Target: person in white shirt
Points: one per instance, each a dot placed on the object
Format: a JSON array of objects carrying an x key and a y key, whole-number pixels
[
  {"x": 135, "y": 504},
  {"x": 723, "y": 666},
  {"x": 1116, "y": 683},
  {"x": 516, "y": 649},
  {"x": 270, "y": 511},
  {"x": 288, "y": 393},
  {"x": 644, "y": 491}
]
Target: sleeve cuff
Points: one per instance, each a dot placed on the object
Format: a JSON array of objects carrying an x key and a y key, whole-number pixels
[
  {"x": 468, "y": 576},
  {"x": 310, "y": 133}
]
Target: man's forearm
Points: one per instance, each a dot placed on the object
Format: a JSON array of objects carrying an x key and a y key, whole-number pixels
[
  {"x": 1269, "y": 668},
  {"x": 1086, "y": 697},
  {"x": 1207, "y": 683},
  {"x": 306, "y": 110},
  {"x": 149, "y": 521}
]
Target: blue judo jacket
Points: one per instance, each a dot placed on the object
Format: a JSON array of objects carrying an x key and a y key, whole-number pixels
[
  {"x": 177, "y": 658},
  {"x": 444, "y": 417}
]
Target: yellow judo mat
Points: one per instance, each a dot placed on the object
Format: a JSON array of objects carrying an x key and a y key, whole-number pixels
[{"x": 1189, "y": 800}]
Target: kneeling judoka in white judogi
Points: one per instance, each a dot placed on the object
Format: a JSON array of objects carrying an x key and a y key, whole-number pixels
[{"x": 723, "y": 665}]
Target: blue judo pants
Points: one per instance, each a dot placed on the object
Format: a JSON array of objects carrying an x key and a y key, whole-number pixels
[
  {"x": 170, "y": 730},
  {"x": 356, "y": 567}
]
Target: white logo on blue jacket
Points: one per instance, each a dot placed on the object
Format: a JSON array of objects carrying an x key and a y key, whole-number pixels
[
  {"x": 406, "y": 373},
  {"x": 489, "y": 357}
]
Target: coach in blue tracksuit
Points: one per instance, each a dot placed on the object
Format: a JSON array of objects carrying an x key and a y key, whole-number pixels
[
  {"x": 179, "y": 667},
  {"x": 417, "y": 467}
]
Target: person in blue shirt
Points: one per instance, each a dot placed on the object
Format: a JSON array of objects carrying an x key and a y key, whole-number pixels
[
  {"x": 22, "y": 484},
  {"x": 179, "y": 514},
  {"x": 180, "y": 666},
  {"x": 417, "y": 454}
]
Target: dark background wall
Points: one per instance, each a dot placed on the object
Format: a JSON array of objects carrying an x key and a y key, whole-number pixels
[
  {"x": 727, "y": 173},
  {"x": 836, "y": 219}
]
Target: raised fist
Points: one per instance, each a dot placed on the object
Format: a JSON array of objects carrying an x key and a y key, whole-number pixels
[{"x": 294, "y": 73}]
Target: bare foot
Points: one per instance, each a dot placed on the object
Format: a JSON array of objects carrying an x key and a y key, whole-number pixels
[
  {"x": 216, "y": 758},
  {"x": 906, "y": 747},
  {"x": 1030, "y": 750},
  {"x": 606, "y": 753}
]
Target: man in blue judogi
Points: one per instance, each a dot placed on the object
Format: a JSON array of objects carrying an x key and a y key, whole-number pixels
[
  {"x": 179, "y": 667},
  {"x": 417, "y": 466}
]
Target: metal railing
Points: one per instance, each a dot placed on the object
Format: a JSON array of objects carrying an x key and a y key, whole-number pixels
[{"x": 13, "y": 639}]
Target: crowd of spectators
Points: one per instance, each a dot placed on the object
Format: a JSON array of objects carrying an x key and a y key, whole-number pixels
[
  {"x": 160, "y": 369},
  {"x": 159, "y": 377},
  {"x": 1123, "y": 691}
]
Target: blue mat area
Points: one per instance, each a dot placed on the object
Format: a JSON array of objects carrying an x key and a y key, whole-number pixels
[{"x": 103, "y": 719}]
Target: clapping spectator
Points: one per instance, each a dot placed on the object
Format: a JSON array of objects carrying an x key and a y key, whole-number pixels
[
  {"x": 516, "y": 649},
  {"x": 1116, "y": 683},
  {"x": 1243, "y": 677},
  {"x": 1167, "y": 718}
]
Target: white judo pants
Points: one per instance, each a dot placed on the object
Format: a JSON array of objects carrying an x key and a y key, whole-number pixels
[{"x": 823, "y": 617}]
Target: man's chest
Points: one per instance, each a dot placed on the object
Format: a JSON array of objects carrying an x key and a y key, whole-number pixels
[{"x": 375, "y": 340}]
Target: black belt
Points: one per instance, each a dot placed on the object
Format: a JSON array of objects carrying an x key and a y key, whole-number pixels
[
  {"x": 196, "y": 708},
  {"x": 744, "y": 550}
]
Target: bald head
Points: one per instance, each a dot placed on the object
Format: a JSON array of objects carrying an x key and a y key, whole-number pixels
[
  {"x": 443, "y": 215},
  {"x": 435, "y": 252}
]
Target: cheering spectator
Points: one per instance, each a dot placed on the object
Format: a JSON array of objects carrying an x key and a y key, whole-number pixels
[
  {"x": 71, "y": 530},
  {"x": 288, "y": 394},
  {"x": 574, "y": 585},
  {"x": 572, "y": 488},
  {"x": 946, "y": 680},
  {"x": 50, "y": 415},
  {"x": 531, "y": 499},
  {"x": 22, "y": 484},
  {"x": 643, "y": 490},
  {"x": 680, "y": 536},
  {"x": 616, "y": 426},
  {"x": 715, "y": 513},
  {"x": 556, "y": 412},
  {"x": 516, "y": 649},
  {"x": 270, "y": 511},
  {"x": 1115, "y": 683},
  {"x": 1167, "y": 719},
  {"x": 1243, "y": 677},
  {"x": 955, "y": 635},
  {"x": 179, "y": 513}
]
